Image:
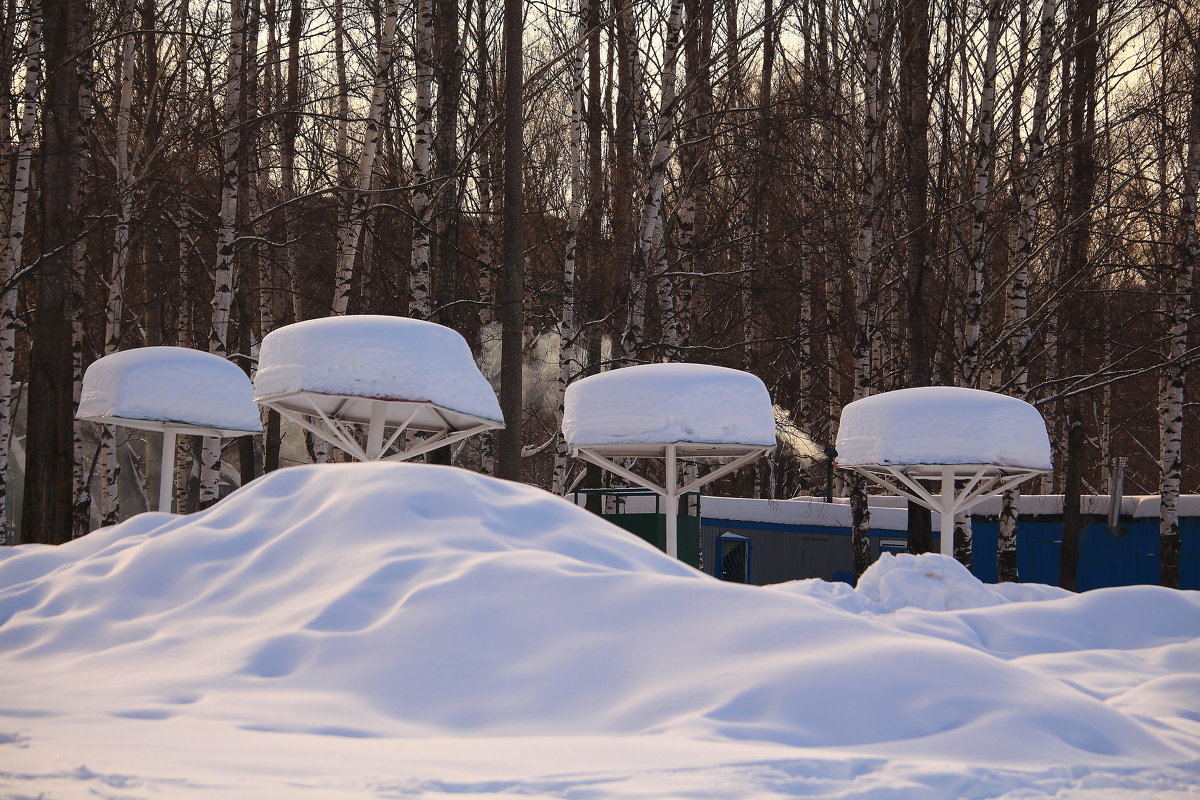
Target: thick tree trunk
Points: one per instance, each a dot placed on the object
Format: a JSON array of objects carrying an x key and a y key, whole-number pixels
[
  {"x": 914, "y": 155},
  {"x": 512, "y": 301},
  {"x": 46, "y": 508}
]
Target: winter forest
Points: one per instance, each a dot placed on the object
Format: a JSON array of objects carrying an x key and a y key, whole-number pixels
[{"x": 840, "y": 196}]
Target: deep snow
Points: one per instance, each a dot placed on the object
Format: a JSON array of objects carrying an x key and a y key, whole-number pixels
[
  {"x": 375, "y": 356},
  {"x": 171, "y": 385},
  {"x": 395, "y": 630},
  {"x": 665, "y": 403},
  {"x": 942, "y": 425}
]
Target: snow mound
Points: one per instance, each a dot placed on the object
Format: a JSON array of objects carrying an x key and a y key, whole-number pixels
[
  {"x": 173, "y": 385},
  {"x": 930, "y": 581},
  {"x": 665, "y": 403},
  {"x": 942, "y": 425},
  {"x": 378, "y": 357},
  {"x": 383, "y": 599}
]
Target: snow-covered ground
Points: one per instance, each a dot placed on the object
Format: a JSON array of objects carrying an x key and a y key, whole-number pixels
[{"x": 391, "y": 630}]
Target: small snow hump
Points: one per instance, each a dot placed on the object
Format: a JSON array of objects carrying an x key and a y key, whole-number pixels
[{"x": 930, "y": 581}]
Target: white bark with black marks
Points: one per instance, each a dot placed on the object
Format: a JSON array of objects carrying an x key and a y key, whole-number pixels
[
  {"x": 350, "y": 232},
  {"x": 223, "y": 269},
  {"x": 10, "y": 260},
  {"x": 420, "y": 303}
]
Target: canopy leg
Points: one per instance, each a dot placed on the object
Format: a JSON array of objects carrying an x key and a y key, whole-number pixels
[
  {"x": 375, "y": 430},
  {"x": 946, "y": 512},
  {"x": 672, "y": 510},
  {"x": 166, "y": 472}
]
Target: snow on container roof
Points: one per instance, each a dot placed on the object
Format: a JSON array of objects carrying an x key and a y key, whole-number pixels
[
  {"x": 667, "y": 403},
  {"x": 160, "y": 387},
  {"x": 376, "y": 357},
  {"x": 942, "y": 425}
]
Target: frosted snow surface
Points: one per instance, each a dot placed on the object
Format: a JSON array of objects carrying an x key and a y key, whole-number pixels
[
  {"x": 396, "y": 630},
  {"x": 942, "y": 425},
  {"x": 169, "y": 384},
  {"x": 664, "y": 403},
  {"x": 375, "y": 356}
]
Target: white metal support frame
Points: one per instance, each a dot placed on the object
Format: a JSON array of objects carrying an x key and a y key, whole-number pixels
[
  {"x": 445, "y": 427},
  {"x": 171, "y": 431},
  {"x": 981, "y": 481},
  {"x": 670, "y": 491}
]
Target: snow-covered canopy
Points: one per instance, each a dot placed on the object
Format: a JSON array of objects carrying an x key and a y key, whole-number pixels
[
  {"x": 157, "y": 387},
  {"x": 942, "y": 425},
  {"x": 667, "y": 403},
  {"x": 372, "y": 357},
  {"x": 254, "y": 650}
]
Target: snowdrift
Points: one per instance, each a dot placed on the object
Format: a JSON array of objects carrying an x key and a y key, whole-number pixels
[{"x": 395, "y": 600}]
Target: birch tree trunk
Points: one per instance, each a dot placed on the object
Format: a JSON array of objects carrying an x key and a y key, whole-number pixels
[
  {"x": 10, "y": 264},
  {"x": 223, "y": 269},
  {"x": 1018, "y": 289},
  {"x": 80, "y": 489},
  {"x": 870, "y": 196},
  {"x": 651, "y": 241},
  {"x": 110, "y": 466},
  {"x": 568, "y": 366},
  {"x": 350, "y": 232},
  {"x": 985, "y": 159},
  {"x": 1179, "y": 310},
  {"x": 420, "y": 304}
]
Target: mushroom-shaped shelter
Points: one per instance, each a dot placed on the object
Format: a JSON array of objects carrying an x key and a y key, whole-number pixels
[
  {"x": 378, "y": 371},
  {"x": 975, "y": 443},
  {"x": 669, "y": 411},
  {"x": 170, "y": 389}
]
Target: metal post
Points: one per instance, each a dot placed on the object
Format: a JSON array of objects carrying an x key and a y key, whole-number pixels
[
  {"x": 375, "y": 430},
  {"x": 672, "y": 513},
  {"x": 947, "y": 511},
  {"x": 166, "y": 471}
]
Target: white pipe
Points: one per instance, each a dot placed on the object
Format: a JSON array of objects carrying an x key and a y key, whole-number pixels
[
  {"x": 375, "y": 430},
  {"x": 672, "y": 520},
  {"x": 947, "y": 511},
  {"x": 166, "y": 472}
]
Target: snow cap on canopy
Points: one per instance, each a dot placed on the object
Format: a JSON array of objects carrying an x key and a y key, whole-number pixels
[
  {"x": 377, "y": 357},
  {"x": 665, "y": 403},
  {"x": 942, "y": 425},
  {"x": 169, "y": 387}
]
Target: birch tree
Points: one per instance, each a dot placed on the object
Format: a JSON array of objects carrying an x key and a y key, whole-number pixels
[
  {"x": 110, "y": 467},
  {"x": 1018, "y": 288},
  {"x": 223, "y": 267},
  {"x": 870, "y": 198},
  {"x": 350, "y": 232},
  {"x": 420, "y": 303},
  {"x": 568, "y": 366},
  {"x": 10, "y": 265},
  {"x": 1179, "y": 310},
  {"x": 985, "y": 159}
]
